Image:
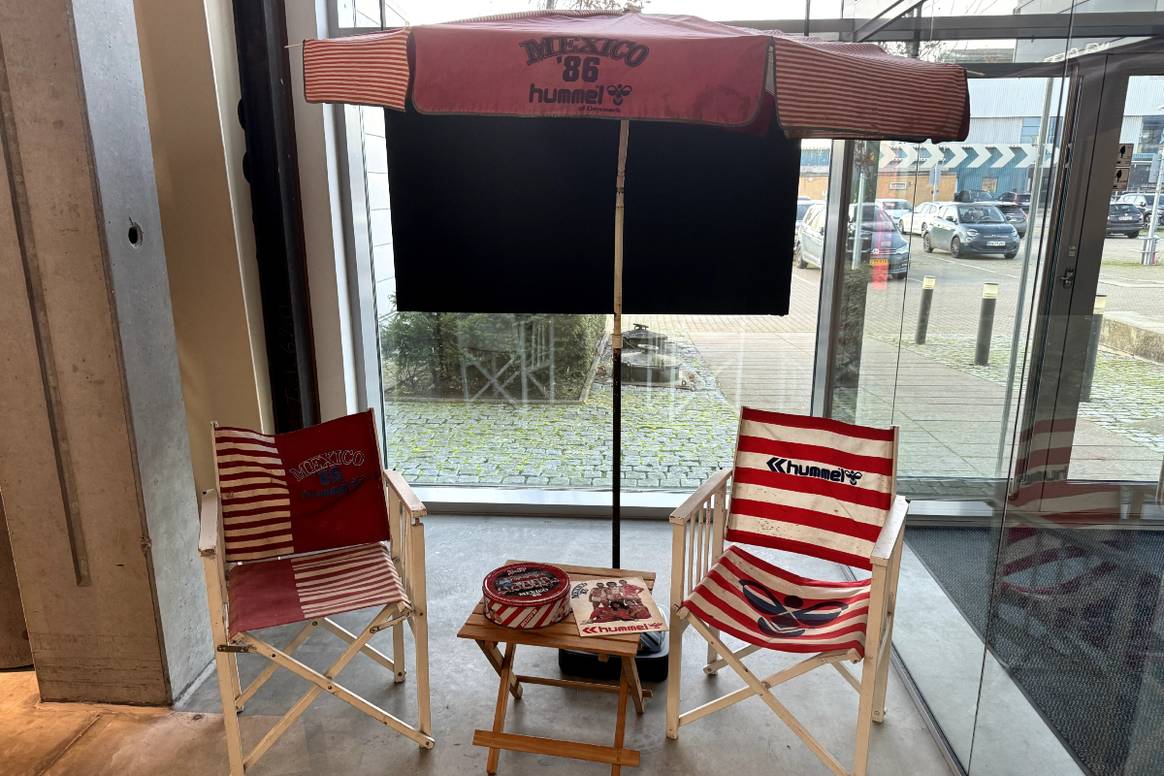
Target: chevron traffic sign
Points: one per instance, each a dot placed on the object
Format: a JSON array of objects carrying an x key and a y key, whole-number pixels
[
  {"x": 973, "y": 155},
  {"x": 934, "y": 156},
  {"x": 982, "y": 153}
]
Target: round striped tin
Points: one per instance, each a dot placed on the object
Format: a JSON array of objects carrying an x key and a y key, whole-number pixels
[{"x": 526, "y": 595}]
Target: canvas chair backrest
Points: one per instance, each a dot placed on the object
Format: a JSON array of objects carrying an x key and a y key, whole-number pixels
[
  {"x": 813, "y": 486},
  {"x": 318, "y": 488}
]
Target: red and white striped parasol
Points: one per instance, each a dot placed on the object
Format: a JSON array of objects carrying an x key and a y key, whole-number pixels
[
  {"x": 631, "y": 66},
  {"x": 649, "y": 67}
]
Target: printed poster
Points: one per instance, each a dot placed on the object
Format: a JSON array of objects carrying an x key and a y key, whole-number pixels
[{"x": 604, "y": 607}]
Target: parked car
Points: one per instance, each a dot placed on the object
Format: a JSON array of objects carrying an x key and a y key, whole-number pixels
[
  {"x": 919, "y": 220},
  {"x": 1014, "y": 215},
  {"x": 896, "y": 208},
  {"x": 1124, "y": 218},
  {"x": 973, "y": 195},
  {"x": 879, "y": 238},
  {"x": 1142, "y": 202},
  {"x": 971, "y": 230},
  {"x": 1022, "y": 199},
  {"x": 802, "y": 206}
]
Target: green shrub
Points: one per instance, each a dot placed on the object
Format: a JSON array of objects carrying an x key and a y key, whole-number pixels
[{"x": 429, "y": 354}]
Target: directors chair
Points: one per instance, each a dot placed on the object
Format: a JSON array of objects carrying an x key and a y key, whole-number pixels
[
  {"x": 303, "y": 526},
  {"x": 806, "y": 485}
]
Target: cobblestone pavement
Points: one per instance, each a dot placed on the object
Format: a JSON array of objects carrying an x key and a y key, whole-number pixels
[
  {"x": 951, "y": 412},
  {"x": 1121, "y": 431},
  {"x": 673, "y": 438}
]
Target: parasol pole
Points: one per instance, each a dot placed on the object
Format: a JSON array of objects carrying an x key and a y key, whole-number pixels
[{"x": 616, "y": 347}]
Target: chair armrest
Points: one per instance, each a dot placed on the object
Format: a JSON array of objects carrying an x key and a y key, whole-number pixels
[
  {"x": 713, "y": 483},
  {"x": 208, "y": 524},
  {"x": 405, "y": 492},
  {"x": 887, "y": 540}
]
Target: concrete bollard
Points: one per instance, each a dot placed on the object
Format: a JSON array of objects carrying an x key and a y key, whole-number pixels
[
  {"x": 985, "y": 323},
  {"x": 1092, "y": 347},
  {"x": 923, "y": 313},
  {"x": 1149, "y": 255}
]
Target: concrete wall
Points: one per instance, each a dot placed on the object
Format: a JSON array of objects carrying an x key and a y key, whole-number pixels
[
  {"x": 192, "y": 90},
  {"x": 95, "y": 467}
]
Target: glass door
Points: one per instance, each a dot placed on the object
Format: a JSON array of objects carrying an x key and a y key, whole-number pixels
[{"x": 1076, "y": 620}]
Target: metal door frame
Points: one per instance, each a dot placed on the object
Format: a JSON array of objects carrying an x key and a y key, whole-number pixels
[{"x": 1070, "y": 277}]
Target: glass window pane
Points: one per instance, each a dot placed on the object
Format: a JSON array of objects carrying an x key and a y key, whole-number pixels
[{"x": 1120, "y": 430}]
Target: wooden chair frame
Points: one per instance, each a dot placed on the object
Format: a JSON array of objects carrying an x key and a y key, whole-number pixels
[
  {"x": 697, "y": 542},
  {"x": 405, "y": 511}
]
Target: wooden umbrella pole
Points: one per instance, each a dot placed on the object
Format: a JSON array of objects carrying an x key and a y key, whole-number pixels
[{"x": 616, "y": 347}]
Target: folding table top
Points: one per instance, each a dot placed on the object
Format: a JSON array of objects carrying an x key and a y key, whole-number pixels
[{"x": 564, "y": 634}]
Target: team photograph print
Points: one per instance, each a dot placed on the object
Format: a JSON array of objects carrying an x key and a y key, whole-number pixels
[{"x": 603, "y": 607}]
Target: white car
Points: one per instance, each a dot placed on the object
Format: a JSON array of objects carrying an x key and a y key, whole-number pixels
[
  {"x": 896, "y": 209},
  {"x": 920, "y": 219}
]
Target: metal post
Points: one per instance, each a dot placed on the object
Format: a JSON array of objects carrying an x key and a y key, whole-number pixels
[
  {"x": 858, "y": 242},
  {"x": 1160, "y": 485},
  {"x": 616, "y": 350},
  {"x": 985, "y": 323},
  {"x": 1016, "y": 334},
  {"x": 1148, "y": 254},
  {"x": 923, "y": 314},
  {"x": 1092, "y": 347},
  {"x": 830, "y": 316}
]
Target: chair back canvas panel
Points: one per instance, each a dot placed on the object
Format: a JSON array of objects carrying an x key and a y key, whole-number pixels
[
  {"x": 319, "y": 488},
  {"x": 814, "y": 486}
]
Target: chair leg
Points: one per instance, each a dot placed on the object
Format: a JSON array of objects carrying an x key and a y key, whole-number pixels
[
  {"x": 674, "y": 674},
  {"x": 231, "y": 661},
  {"x": 420, "y": 643},
  {"x": 398, "y": 651},
  {"x": 865, "y": 715},
  {"x": 712, "y": 667},
  {"x": 226, "y": 666},
  {"x": 882, "y": 683}
]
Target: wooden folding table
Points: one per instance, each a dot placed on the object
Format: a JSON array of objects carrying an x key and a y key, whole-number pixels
[{"x": 562, "y": 635}]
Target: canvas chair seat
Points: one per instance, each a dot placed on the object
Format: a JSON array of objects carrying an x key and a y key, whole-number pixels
[
  {"x": 267, "y": 593},
  {"x": 765, "y": 605}
]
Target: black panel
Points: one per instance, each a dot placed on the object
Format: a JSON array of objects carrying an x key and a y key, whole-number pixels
[
  {"x": 517, "y": 215},
  {"x": 272, "y": 169}
]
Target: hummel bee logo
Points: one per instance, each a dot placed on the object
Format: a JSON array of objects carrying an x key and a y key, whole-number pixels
[
  {"x": 788, "y": 618},
  {"x": 618, "y": 91},
  {"x": 785, "y": 466}
]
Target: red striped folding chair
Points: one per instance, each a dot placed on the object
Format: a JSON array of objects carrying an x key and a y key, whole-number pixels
[
  {"x": 303, "y": 526},
  {"x": 806, "y": 485}
]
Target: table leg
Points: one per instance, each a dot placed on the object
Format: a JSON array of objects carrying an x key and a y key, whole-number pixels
[
  {"x": 631, "y": 669},
  {"x": 494, "y": 658},
  {"x": 502, "y": 703},
  {"x": 620, "y": 720}
]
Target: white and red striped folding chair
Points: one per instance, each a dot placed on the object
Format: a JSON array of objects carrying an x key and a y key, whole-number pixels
[
  {"x": 806, "y": 485},
  {"x": 303, "y": 526}
]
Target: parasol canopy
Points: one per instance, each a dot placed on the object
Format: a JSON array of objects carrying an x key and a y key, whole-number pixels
[
  {"x": 643, "y": 67},
  {"x": 500, "y": 206}
]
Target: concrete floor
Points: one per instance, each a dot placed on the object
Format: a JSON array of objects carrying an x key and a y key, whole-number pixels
[{"x": 332, "y": 737}]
